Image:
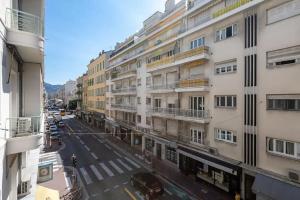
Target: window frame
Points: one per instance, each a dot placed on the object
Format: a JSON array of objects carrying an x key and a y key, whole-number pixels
[
  {"x": 219, "y": 100},
  {"x": 221, "y": 33},
  {"x": 273, "y": 150},
  {"x": 219, "y": 133}
]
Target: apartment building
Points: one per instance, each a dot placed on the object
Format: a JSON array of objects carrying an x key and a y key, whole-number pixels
[
  {"x": 79, "y": 85},
  {"x": 212, "y": 88},
  {"x": 21, "y": 96},
  {"x": 83, "y": 111},
  {"x": 96, "y": 89}
]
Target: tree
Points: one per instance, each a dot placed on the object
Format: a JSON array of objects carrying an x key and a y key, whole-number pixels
[{"x": 72, "y": 104}]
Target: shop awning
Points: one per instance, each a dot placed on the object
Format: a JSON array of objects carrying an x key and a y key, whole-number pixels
[
  {"x": 111, "y": 122},
  {"x": 209, "y": 160},
  {"x": 275, "y": 189}
]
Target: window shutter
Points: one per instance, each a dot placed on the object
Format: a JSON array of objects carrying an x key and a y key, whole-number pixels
[{"x": 234, "y": 138}]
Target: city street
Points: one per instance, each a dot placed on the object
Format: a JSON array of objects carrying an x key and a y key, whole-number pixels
[{"x": 104, "y": 171}]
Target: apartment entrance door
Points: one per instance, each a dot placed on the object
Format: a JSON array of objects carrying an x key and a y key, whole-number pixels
[{"x": 158, "y": 150}]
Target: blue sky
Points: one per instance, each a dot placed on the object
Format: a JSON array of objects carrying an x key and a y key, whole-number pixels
[{"x": 77, "y": 30}]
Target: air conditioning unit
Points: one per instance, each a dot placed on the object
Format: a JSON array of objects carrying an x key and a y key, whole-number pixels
[
  {"x": 213, "y": 151},
  {"x": 24, "y": 188},
  {"x": 294, "y": 175},
  {"x": 24, "y": 125}
]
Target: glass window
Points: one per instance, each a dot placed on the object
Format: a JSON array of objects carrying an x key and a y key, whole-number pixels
[
  {"x": 222, "y": 101},
  {"x": 271, "y": 143},
  {"x": 229, "y": 101},
  {"x": 279, "y": 146},
  {"x": 290, "y": 148},
  {"x": 229, "y": 32}
]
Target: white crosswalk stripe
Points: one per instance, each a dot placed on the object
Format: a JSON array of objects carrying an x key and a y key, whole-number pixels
[
  {"x": 133, "y": 163},
  {"x": 118, "y": 169},
  {"x": 124, "y": 165},
  {"x": 96, "y": 172},
  {"x": 52, "y": 157},
  {"x": 107, "y": 146},
  {"x": 94, "y": 156},
  {"x": 86, "y": 176},
  {"x": 87, "y": 148},
  {"x": 117, "y": 154},
  {"x": 106, "y": 169},
  {"x": 100, "y": 141},
  {"x": 81, "y": 141}
]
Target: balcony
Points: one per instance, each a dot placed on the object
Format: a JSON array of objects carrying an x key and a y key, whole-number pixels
[
  {"x": 192, "y": 85},
  {"x": 162, "y": 88},
  {"x": 196, "y": 56},
  {"x": 123, "y": 73},
  {"x": 124, "y": 91},
  {"x": 26, "y": 32},
  {"x": 200, "y": 116},
  {"x": 23, "y": 134},
  {"x": 229, "y": 8},
  {"x": 126, "y": 123},
  {"x": 124, "y": 107}
]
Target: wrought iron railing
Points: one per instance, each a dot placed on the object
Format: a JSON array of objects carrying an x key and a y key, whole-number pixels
[
  {"x": 189, "y": 113},
  {"x": 22, "y": 126}
]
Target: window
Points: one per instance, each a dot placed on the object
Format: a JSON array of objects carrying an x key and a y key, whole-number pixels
[
  {"x": 226, "y": 67},
  {"x": 139, "y": 118},
  {"x": 139, "y": 82},
  {"x": 197, "y": 103},
  {"x": 283, "y": 102},
  {"x": 225, "y": 101},
  {"x": 197, "y": 43},
  {"x": 171, "y": 154},
  {"x": 148, "y": 80},
  {"x": 283, "y": 57},
  {"x": 153, "y": 59},
  {"x": 226, "y": 32},
  {"x": 148, "y": 101},
  {"x": 148, "y": 121},
  {"x": 138, "y": 64},
  {"x": 170, "y": 53},
  {"x": 283, "y": 11},
  {"x": 139, "y": 100},
  {"x": 225, "y": 135},
  {"x": 197, "y": 136},
  {"x": 157, "y": 103},
  {"x": 284, "y": 148}
]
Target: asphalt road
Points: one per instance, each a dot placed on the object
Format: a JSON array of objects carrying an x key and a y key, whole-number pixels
[{"x": 104, "y": 171}]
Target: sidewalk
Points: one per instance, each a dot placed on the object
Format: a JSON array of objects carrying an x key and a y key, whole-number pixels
[{"x": 199, "y": 190}]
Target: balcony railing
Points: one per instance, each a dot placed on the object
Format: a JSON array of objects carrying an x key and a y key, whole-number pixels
[
  {"x": 192, "y": 52},
  {"x": 124, "y": 107},
  {"x": 190, "y": 83},
  {"x": 179, "y": 56},
  {"x": 231, "y": 7},
  {"x": 124, "y": 90},
  {"x": 22, "y": 21},
  {"x": 22, "y": 126},
  {"x": 188, "y": 140},
  {"x": 189, "y": 113},
  {"x": 162, "y": 86}
]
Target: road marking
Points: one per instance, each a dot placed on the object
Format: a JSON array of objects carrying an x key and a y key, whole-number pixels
[
  {"x": 94, "y": 156},
  {"x": 116, "y": 186},
  {"x": 67, "y": 180},
  {"x": 117, "y": 154},
  {"x": 130, "y": 194},
  {"x": 94, "y": 136},
  {"x": 87, "y": 148},
  {"x": 100, "y": 141},
  {"x": 81, "y": 141},
  {"x": 116, "y": 167},
  {"x": 133, "y": 163},
  {"x": 124, "y": 165},
  {"x": 167, "y": 191},
  {"x": 106, "y": 190},
  {"x": 77, "y": 137},
  {"x": 106, "y": 169},
  {"x": 86, "y": 176},
  {"x": 107, "y": 146},
  {"x": 125, "y": 183},
  {"x": 96, "y": 172},
  {"x": 204, "y": 191}
]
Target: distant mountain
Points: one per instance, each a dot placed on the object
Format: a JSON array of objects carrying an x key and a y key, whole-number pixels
[{"x": 50, "y": 89}]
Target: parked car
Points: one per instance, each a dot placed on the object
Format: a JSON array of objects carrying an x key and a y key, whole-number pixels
[
  {"x": 55, "y": 136},
  {"x": 53, "y": 128},
  {"x": 148, "y": 184},
  {"x": 61, "y": 124}
]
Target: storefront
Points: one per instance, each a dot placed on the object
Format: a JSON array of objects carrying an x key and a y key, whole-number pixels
[
  {"x": 111, "y": 127},
  {"x": 99, "y": 121},
  {"x": 223, "y": 175}
]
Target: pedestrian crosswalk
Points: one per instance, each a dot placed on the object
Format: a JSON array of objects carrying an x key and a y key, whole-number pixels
[
  {"x": 106, "y": 169},
  {"x": 53, "y": 157}
]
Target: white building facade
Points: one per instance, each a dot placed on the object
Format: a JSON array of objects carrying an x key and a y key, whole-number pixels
[
  {"x": 21, "y": 96},
  {"x": 212, "y": 88}
]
